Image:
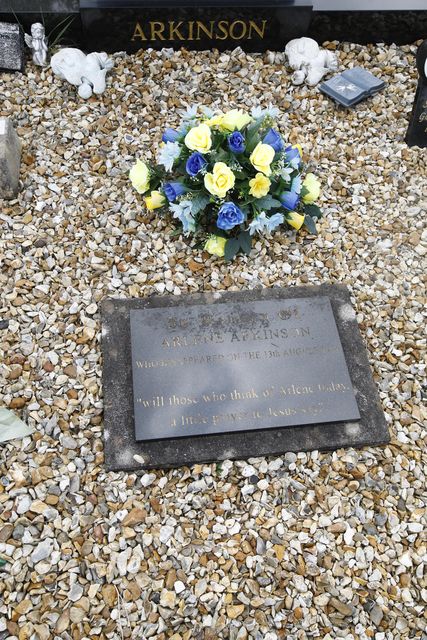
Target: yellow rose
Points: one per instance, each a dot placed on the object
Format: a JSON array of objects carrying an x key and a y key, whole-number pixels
[
  {"x": 235, "y": 119},
  {"x": 140, "y": 176},
  {"x": 154, "y": 200},
  {"x": 312, "y": 185},
  {"x": 262, "y": 157},
  {"x": 199, "y": 138},
  {"x": 259, "y": 185},
  {"x": 216, "y": 245},
  {"x": 215, "y": 121},
  {"x": 296, "y": 220},
  {"x": 220, "y": 181}
]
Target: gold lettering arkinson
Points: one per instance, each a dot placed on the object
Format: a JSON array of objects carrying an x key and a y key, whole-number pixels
[{"x": 191, "y": 30}]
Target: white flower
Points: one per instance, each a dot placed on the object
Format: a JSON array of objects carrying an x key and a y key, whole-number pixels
[
  {"x": 259, "y": 112},
  {"x": 168, "y": 153},
  {"x": 296, "y": 184},
  {"x": 264, "y": 224},
  {"x": 182, "y": 211},
  {"x": 189, "y": 113},
  {"x": 207, "y": 111},
  {"x": 286, "y": 173}
]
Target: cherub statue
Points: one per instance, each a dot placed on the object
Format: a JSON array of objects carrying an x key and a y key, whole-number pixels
[
  {"x": 37, "y": 42},
  {"x": 87, "y": 72},
  {"x": 308, "y": 61}
]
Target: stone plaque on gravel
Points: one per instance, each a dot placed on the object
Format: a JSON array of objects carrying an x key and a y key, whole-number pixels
[
  {"x": 238, "y": 366},
  {"x": 235, "y": 375},
  {"x": 10, "y": 159},
  {"x": 11, "y": 47}
]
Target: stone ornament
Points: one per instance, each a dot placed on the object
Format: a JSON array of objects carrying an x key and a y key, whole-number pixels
[
  {"x": 37, "y": 42},
  {"x": 308, "y": 61},
  {"x": 87, "y": 72}
]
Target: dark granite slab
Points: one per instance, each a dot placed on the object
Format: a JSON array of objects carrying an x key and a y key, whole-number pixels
[
  {"x": 123, "y": 452},
  {"x": 417, "y": 130},
  {"x": 114, "y": 25}
]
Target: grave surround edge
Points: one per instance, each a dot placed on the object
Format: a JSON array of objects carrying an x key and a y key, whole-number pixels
[{"x": 119, "y": 438}]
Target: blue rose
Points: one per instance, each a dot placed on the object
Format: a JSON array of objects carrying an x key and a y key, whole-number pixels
[
  {"x": 289, "y": 200},
  {"x": 236, "y": 142},
  {"x": 195, "y": 163},
  {"x": 293, "y": 157},
  {"x": 173, "y": 189},
  {"x": 274, "y": 139},
  {"x": 170, "y": 135},
  {"x": 229, "y": 216}
]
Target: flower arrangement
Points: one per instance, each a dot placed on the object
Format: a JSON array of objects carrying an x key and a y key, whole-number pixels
[{"x": 229, "y": 176}]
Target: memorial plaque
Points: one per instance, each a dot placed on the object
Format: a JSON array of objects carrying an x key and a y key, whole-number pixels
[
  {"x": 238, "y": 367},
  {"x": 281, "y": 370}
]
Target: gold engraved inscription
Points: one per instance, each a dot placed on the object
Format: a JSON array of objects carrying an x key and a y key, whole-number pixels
[{"x": 193, "y": 30}]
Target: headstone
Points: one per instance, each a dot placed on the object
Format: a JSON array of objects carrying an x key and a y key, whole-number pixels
[
  {"x": 417, "y": 130},
  {"x": 235, "y": 375},
  {"x": 11, "y": 47},
  {"x": 10, "y": 159},
  {"x": 116, "y": 25},
  {"x": 351, "y": 86},
  {"x": 111, "y": 21}
]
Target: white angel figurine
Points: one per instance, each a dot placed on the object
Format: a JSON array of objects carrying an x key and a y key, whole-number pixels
[
  {"x": 37, "y": 42},
  {"x": 308, "y": 61},
  {"x": 87, "y": 72}
]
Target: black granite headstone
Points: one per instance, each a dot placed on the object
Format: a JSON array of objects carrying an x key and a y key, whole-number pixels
[
  {"x": 111, "y": 24},
  {"x": 417, "y": 130},
  {"x": 235, "y": 375},
  {"x": 11, "y": 47},
  {"x": 116, "y": 25}
]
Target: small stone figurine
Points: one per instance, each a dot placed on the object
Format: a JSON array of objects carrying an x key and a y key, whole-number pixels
[
  {"x": 308, "y": 61},
  {"x": 87, "y": 72},
  {"x": 37, "y": 42}
]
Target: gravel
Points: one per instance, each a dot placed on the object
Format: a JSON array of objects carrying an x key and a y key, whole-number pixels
[{"x": 306, "y": 545}]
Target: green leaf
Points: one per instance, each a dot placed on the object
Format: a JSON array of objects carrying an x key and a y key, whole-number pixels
[
  {"x": 2, "y": 562},
  {"x": 231, "y": 248},
  {"x": 304, "y": 191},
  {"x": 310, "y": 224},
  {"x": 198, "y": 203},
  {"x": 252, "y": 137},
  {"x": 266, "y": 203},
  {"x": 245, "y": 241},
  {"x": 313, "y": 211}
]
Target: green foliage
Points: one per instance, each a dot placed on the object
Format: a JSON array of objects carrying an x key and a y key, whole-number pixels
[
  {"x": 252, "y": 137},
  {"x": 199, "y": 203},
  {"x": 243, "y": 242},
  {"x": 266, "y": 203},
  {"x": 313, "y": 211},
  {"x": 310, "y": 224},
  {"x": 231, "y": 249}
]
